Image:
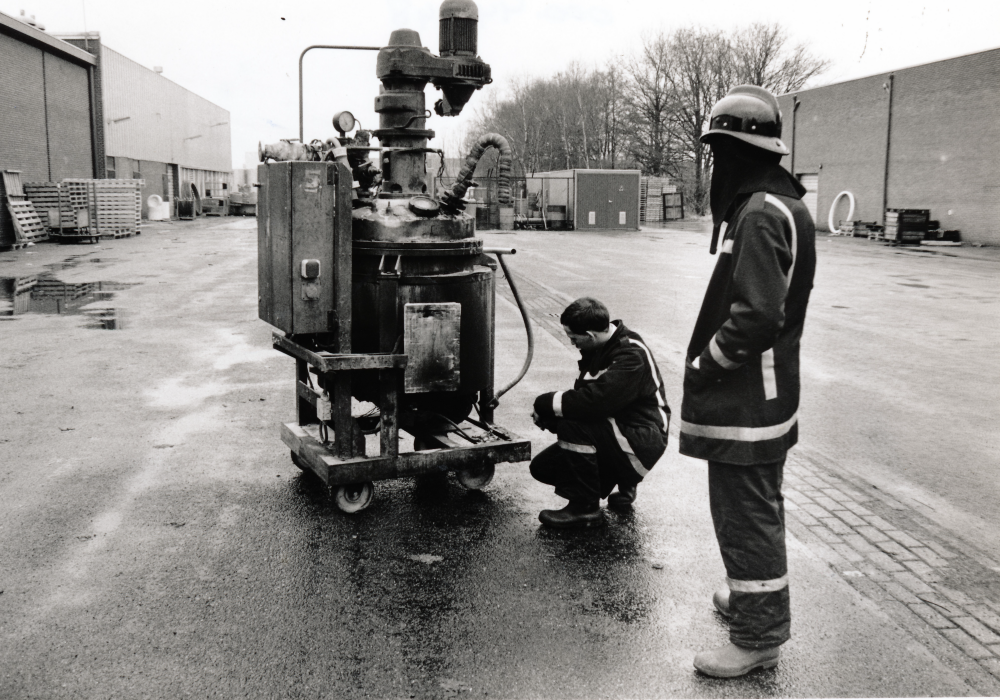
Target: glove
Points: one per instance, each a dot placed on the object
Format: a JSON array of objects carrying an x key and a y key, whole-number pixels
[{"x": 543, "y": 406}]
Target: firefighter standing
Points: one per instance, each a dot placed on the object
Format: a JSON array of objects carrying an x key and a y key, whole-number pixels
[
  {"x": 741, "y": 382},
  {"x": 611, "y": 427}
]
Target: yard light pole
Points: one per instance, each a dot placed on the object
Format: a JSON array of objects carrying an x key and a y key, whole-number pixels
[{"x": 303, "y": 55}]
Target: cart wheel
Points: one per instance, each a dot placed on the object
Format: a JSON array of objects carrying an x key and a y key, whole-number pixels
[
  {"x": 352, "y": 498},
  {"x": 476, "y": 478},
  {"x": 298, "y": 462}
]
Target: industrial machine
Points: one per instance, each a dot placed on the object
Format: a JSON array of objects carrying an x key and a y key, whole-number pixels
[{"x": 384, "y": 296}]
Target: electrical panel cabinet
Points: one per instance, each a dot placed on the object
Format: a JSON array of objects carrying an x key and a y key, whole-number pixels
[{"x": 304, "y": 244}]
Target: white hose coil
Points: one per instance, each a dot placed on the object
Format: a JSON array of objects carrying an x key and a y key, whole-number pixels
[{"x": 833, "y": 207}]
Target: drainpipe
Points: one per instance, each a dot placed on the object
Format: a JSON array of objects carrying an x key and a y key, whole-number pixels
[
  {"x": 888, "y": 87},
  {"x": 795, "y": 108},
  {"x": 95, "y": 155}
]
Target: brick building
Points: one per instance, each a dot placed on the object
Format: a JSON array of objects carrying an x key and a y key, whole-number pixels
[
  {"x": 925, "y": 137},
  {"x": 48, "y": 105},
  {"x": 72, "y": 107}
]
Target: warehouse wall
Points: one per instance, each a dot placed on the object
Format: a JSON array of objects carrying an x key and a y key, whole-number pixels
[
  {"x": 67, "y": 91},
  {"x": 944, "y": 146},
  {"x": 148, "y": 117},
  {"x": 24, "y": 145},
  {"x": 839, "y": 134},
  {"x": 45, "y": 125}
]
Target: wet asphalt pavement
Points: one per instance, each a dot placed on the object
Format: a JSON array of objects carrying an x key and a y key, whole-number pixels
[{"x": 157, "y": 541}]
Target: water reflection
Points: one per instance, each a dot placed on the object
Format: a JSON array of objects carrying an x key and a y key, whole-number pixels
[{"x": 45, "y": 294}]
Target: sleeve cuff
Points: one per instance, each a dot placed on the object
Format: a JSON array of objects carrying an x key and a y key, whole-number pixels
[
  {"x": 716, "y": 352},
  {"x": 557, "y": 404}
]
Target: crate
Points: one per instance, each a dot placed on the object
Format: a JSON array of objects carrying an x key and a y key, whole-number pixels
[
  {"x": 114, "y": 207},
  {"x": 906, "y": 225}
]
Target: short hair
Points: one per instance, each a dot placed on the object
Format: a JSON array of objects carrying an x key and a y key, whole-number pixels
[{"x": 586, "y": 314}]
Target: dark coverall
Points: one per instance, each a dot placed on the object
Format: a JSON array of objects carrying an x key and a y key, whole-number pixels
[
  {"x": 611, "y": 427},
  {"x": 741, "y": 394}
]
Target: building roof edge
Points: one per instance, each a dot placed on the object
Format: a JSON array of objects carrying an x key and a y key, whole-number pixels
[{"x": 38, "y": 37}]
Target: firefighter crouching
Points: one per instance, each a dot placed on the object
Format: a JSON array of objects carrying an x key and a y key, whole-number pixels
[
  {"x": 611, "y": 427},
  {"x": 741, "y": 382}
]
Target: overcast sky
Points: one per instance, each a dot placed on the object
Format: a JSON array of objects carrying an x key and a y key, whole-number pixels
[{"x": 243, "y": 56}]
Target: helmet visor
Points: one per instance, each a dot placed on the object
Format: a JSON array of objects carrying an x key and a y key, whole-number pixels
[{"x": 727, "y": 122}]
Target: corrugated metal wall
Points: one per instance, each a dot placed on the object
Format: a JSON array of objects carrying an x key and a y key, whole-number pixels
[{"x": 148, "y": 117}]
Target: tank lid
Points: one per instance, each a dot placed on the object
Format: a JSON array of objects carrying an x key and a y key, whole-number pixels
[
  {"x": 465, "y": 9},
  {"x": 405, "y": 37}
]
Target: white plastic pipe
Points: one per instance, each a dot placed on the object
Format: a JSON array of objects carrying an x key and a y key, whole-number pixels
[{"x": 833, "y": 207}]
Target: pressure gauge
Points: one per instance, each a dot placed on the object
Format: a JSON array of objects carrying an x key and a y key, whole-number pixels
[{"x": 343, "y": 121}]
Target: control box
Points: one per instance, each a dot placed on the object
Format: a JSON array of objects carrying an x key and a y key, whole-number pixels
[{"x": 304, "y": 248}]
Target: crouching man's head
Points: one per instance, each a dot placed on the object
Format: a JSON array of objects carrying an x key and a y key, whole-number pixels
[{"x": 587, "y": 324}]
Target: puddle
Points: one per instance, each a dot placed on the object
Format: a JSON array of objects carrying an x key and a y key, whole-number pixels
[
  {"x": 44, "y": 294},
  {"x": 75, "y": 261}
]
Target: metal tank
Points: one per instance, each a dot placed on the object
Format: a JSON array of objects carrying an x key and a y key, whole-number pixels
[{"x": 384, "y": 293}]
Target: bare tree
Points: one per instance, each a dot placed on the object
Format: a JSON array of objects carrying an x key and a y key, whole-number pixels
[
  {"x": 761, "y": 56},
  {"x": 700, "y": 75},
  {"x": 650, "y": 100},
  {"x": 611, "y": 99},
  {"x": 646, "y": 110}
]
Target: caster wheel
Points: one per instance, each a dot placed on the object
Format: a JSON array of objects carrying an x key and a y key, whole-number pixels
[
  {"x": 298, "y": 462},
  {"x": 476, "y": 478},
  {"x": 352, "y": 498}
]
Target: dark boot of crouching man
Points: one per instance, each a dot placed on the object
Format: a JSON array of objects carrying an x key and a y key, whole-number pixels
[{"x": 571, "y": 466}]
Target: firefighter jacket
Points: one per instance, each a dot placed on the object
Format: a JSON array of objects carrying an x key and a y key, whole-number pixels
[
  {"x": 619, "y": 382},
  {"x": 741, "y": 382}
]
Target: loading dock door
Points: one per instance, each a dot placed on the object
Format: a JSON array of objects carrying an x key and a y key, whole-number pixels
[{"x": 811, "y": 182}]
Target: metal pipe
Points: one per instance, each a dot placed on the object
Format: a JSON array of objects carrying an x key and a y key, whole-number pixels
[
  {"x": 323, "y": 46},
  {"x": 888, "y": 140},
  {"x": 527, "y": 327}
]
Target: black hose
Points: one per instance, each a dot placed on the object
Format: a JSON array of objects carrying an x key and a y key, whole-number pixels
[
  {"x": 464, "y": 179},
  {"x": 527, "y": 327}
]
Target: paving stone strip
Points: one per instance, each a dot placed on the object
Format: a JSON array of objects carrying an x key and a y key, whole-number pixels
[{"x": 887, "y": 551}]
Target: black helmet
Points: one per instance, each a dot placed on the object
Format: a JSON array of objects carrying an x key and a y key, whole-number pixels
[{"x": 749, "y": 113}]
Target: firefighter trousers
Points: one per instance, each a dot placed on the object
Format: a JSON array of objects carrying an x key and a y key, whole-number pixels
[
  {"x": 586, "y": 462},
  {"x": 748, "y": 511}
]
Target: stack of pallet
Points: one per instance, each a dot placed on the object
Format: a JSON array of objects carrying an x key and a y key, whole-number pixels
[
  {"x": 28, "y": 227},
  {"x": 114, "y": 206},
  {"x": 651, "y": 191},
  {"x": 856, "y": 228}
]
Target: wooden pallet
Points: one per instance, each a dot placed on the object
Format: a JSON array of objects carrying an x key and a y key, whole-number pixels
[
  {"x": 28, "y": 227},
  {"x": 15, "y": 246},
  {"x": 12, "y": 183},
  {"x": 46, "y": 198},
  {"x": 114, "y": 206}
]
